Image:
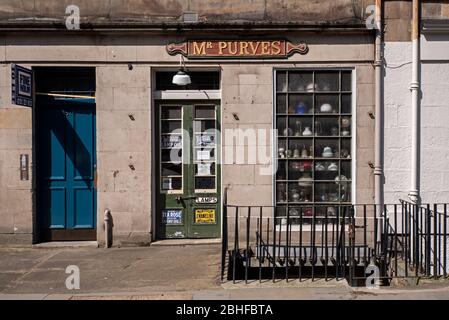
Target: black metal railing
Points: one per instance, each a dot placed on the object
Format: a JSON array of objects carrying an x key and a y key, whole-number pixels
[
  {"x": 269, "y": 242},
  {"x": 427, "y": 238}
]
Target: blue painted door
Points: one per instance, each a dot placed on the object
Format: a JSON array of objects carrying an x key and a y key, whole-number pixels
[{"x": 66, "y": 168}]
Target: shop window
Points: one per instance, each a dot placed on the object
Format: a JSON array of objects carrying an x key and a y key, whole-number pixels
[{"x": 313, "y": 111}]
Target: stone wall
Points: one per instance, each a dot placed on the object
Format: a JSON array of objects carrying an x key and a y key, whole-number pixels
[
  {"x": 247, "y": 89},
  {"x": 16, "y": 196},
  {"x": 158, "y": 12},
  {"x": 124, "y": 151}
]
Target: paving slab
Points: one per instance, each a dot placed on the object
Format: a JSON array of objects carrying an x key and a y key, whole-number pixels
[{"x": 182, "y": 272}]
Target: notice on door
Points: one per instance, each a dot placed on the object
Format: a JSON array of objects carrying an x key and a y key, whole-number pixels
[
  {"x": 205, "y": 216},
  {"x": 172, "y": 216}
]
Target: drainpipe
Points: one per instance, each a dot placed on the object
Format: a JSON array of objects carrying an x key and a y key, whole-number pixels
[
  {"x": 379, "y": 120},
  {"x": 414, "y": 194}
]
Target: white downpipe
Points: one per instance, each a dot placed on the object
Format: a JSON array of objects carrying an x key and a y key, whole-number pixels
[
  {"x": 414, "y": 194},
  {"x": 379, "y": 113}
]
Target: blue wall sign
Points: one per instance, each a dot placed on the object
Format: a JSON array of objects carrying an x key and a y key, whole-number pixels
[{"x": 21, "y": 86}]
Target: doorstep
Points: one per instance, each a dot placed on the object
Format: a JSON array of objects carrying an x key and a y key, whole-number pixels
[
  {"x": 67, "y": 244},
  {"x": 185, "y": 242}
]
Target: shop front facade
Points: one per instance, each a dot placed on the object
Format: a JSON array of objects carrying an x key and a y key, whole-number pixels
[
  {"x": 277, "y": 114},
  {"x": 107, "y": 121}
]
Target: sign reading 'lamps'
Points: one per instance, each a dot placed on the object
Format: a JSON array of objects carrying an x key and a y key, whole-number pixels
[{"x": 241, "y": 49}]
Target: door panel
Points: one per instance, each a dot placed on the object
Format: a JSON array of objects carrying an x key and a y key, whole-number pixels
[
  {"x": 66, "y": 197},
  {"x": 181, "y": 136}
]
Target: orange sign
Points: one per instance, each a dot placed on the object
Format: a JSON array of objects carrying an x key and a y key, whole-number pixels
[{"x": 241, "y": 49}]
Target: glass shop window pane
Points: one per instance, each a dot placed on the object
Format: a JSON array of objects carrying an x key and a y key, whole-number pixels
[
  {"x": 205, "y": 140},
  {"x": 171, "y": 183},
  {"x": 327, "y": 148},
  {"x": 300, "y": 104},
  {"x": 327, "y": 103},
  {"x": 346, "y": 103},
  {"x": 171, "y": 112},
  {"x": 171, "y": 141},
  {"x": 205, "y": 154},
  {"x": 326, "y": 126},
  {"x": 203, "y": 125},
  {"x": 300, "y": 81},
  {"x": 170, "y": 169},
  {"x": 205, "y": 169},
  {"x": 346, "y": 81},
  {"x": 281, "y": 81},
  {"x": 205, "y": 183},
  {"x": 205, "y": 112},
  {"x": 173, "y": 155},
  {"x": 327, "y": 81},
  {"x": 281, "y": 103},
  {"x": 168, "y": 126},
  {"x": 326, "y": 192}
]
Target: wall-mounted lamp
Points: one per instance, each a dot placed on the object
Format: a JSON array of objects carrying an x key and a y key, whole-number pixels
[
  {"x": 182, "y": 78},
  {"x": 130, "y": 66},
  {"x": 236, "y": 116},
  {"x": 371, "y": 115}
]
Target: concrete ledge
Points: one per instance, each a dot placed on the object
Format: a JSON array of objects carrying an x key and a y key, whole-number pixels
[{"x": 185, "y": 242}]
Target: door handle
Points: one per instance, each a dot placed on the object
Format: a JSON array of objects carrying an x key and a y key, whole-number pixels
[{"x": 181, "y": 199}]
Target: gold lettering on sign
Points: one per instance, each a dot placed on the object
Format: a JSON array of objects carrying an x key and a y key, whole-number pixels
[
  {"x": 276, "y": 47},
  {"x": 265, "y": 48},
  {"x": 254, "y": 49},
  {"x": 199, "y": 48},
  {"x": 221, "y": 46},
  {"x": 232, "y": 51},
  {"x": 231, "y": 48},
  {"x": 244, "y": 48}
]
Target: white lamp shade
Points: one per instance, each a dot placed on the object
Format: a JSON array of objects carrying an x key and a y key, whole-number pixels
[{"x": 181, "y": 79}]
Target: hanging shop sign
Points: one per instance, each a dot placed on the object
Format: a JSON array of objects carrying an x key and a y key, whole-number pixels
[
  {"x": 21, "y": 86},
  {"x": 241, "y": 49},
  {"x": 204, "y": 216}
]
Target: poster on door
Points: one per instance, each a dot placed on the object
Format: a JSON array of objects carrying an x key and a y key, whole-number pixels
[
  {"x": 172, "y": 216},
  {"x": 205, "y": 216}
]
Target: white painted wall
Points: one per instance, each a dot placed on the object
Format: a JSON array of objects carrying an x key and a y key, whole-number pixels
[
  {"x": 434, "y": 122},
  {"x": 397, "y": 101}
]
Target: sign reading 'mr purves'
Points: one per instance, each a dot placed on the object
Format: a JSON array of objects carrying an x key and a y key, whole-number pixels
[{"x": 242, "y": 49}]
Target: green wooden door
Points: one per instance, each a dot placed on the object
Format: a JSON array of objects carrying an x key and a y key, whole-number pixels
[{"x": 188, "y": 181}]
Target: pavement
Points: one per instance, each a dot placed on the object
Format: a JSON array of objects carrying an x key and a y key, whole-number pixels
[{"x": 174, "y": 272}]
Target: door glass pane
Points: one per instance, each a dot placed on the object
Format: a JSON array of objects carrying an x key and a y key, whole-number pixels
[
  {"x": 204, "y": 148},
  {"x": 170, "y": 169},
  {"x": 171, "y": 126},
  {"x": 171, "y": 112},
  {"x": 205, "y": 112},
  {"x": 171, "y": 183},
  {"x": 171, "y": 143},
  {"x": 203, "y": 183}
]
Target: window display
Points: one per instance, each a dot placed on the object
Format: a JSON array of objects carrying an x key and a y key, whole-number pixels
[{"x": 314, "y": 124}]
